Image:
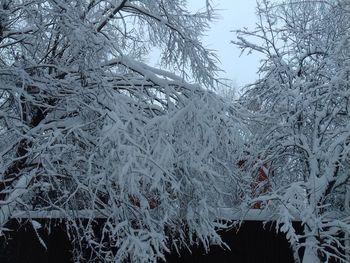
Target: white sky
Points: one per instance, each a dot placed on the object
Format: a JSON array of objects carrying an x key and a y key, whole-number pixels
[{"x": 234, "y": 14}]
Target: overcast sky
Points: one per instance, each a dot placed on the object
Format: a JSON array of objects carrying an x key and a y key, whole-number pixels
[{"x": 234, "y": 14}]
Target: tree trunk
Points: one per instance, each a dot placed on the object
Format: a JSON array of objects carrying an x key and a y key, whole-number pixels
[{"x": 310, "y": 254}]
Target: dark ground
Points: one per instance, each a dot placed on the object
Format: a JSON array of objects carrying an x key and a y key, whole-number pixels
[{"x": 252, "y": 244}]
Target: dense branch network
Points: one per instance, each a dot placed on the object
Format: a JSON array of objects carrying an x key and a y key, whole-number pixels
[
  {"x": 87, "y": 127},
  {"x": 302, "y": 103}
]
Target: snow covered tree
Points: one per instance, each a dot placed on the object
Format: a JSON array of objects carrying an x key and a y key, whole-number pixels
[
  {"x": 300, "y": 120},
  {"x": 90, "y": 133}
]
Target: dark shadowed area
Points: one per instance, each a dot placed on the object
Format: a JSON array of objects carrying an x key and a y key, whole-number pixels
[{"x": 253, "y": 243}]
